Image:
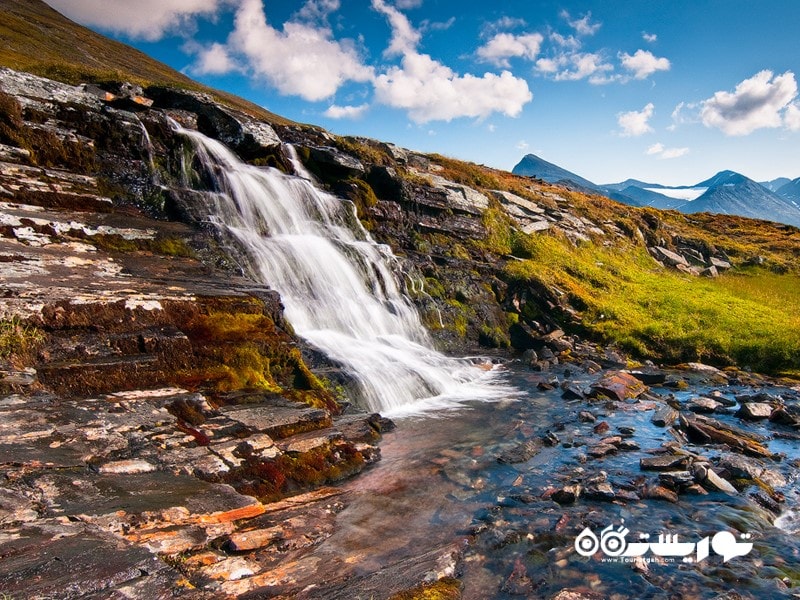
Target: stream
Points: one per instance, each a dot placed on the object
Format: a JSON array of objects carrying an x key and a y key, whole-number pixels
[{"x": 440, "y": 485}]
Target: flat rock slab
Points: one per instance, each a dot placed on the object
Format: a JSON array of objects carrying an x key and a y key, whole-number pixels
[
  {"x": 666, "y": 462},
  {"x": 618, "y": 385},
  {"x": 177, "y": 499},
  {"x": 65, "y": 560},
  {"x": 279, "y": 419}
]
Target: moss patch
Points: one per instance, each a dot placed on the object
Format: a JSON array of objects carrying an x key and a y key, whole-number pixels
[{"x": 447, "y": 588}]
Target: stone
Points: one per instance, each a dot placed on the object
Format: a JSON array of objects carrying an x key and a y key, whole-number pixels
[
  {"x": 601, "y": 427},
  {"x": 254, "y": 539},
  {"x": 586, "y": 417},
  {"x": 567, "y": 494},
  {"x": 600, "y": 450},
  {"x": 650, "y": 377},
  {"x": 676, "y": 480},
  {"x": 665, "y": 462},
  {"x": 703, "y": 405},
  {"x": 664, "y": 416},
  {"x": 572, "y": 392},
  {"x": 599, "y": 491},
  {"x": 719, "y": 264},
  {"x": 618, "y": 385},
  {"x": 231, "y": 569},
  {"x": 705, "y": 475},
  {"x": 668, "y": 257},
  {"x": 577, "y": 594},
  {"x": 278, "y": 419},
  {"x": 128, "y": 467},
  {"x": 754, "y": 411},
  {"x": 740, "y": 467},
  {"x": 659, "y": 492},
  {"x": 519, "y": 453}
]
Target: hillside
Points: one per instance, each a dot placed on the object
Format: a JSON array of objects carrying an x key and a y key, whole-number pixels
[{"x": 37, "y": 39}]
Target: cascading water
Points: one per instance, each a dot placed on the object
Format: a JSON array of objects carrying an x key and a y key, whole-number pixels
[{"x": 335, "y": 283}]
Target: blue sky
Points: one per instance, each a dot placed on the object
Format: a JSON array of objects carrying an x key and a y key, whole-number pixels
[{"x": 662, "y": 91}]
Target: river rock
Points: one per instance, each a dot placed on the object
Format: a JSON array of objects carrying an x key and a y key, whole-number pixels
[
  {"x": 664, "y": 416},
  {"x": 586, "y": 417},
  {"x": 708, "y": 477},
  {"x": 520, "y": 453},
  {"x": 741, "y": 467},
  {"x": 567, "y": 494},
  {"x": 659, "y": 492},
  {"x": 754, "y": 411},
  {"x": 676, "y": 480},
  {"x": 703, "y": 405},
  {"x": 618, "y": 385},
  {"x": 599, "y": 491},
  {"x": 665, "y": 462},
  {"x": 650, "y": 376}
]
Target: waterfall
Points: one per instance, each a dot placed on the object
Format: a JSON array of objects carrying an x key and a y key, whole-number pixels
[{"x": 336, "y": 283}]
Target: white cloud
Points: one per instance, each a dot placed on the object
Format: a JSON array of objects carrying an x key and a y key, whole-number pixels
[
  {"x": 582, "y": 26},
  {"x": 644, "y": 63},
  {"x": 507, "y": 45},
  {"x": 758, "y": 102},
  {"x": 635, "y": 123},
  {"x": 649, "y": 37},
  {"x": 406, "y": 4},
  {"x": 581, "y": 66},
  {"x": 674, "y": 152},
  {"x": 300, "y": 60},
  {"x": 317, "y": 11},
  {"x": 144, "y": 19},
  {"x": 214, "y": 60},
  {"x": 791, "y": 118},
  {"x": 659, "y": 151},
  {"x": 569, "y": 41},
  {"x": 346, "y": 112},
  {"x": 504, "y": 23},
  {"x": 431, "y": 91},
  {"x": 522, "y": 145},
  {"x": 404, "y": 37}
]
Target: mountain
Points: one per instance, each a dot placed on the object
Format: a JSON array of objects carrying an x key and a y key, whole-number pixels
[
  {"x": 37, "y": 39},
  {"x": 790, "y": 191},
  {"x": 533, "y": 166},
  {"x": 775, "y": 184},
  {"x": 734, "y": 194}
]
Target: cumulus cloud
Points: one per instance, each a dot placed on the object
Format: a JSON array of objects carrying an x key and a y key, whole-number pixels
[
  {"x": 507, "y": 45},
  {"x": 406, "y": 4},
  {"x": 643, "y": 63},
  {"x": 762, "y": 101},
  {"x": 649, "y": 37},
  {"x": 300, "y": 60},
  {"x": 346, "y": 112},
  {"x": 635, "y": 123},
  {"x": 791, "y": 118},
  {"x": 145, "y": 19},
  {"x": 317, "y": 11},
  {"x": 582, "y": 26},
  {"x": 405, "y": 38},
  {"x": 577, "y": 66},
  {"x": 431, "y": 91},
  {"x": 213, "y": 60},
  {"x": 659, "y": 151}
]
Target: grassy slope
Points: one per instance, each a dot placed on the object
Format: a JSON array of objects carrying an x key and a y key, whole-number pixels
[{"x": 37, "y": 39}]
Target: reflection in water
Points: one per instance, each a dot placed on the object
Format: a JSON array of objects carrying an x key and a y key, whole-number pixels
[{"x": 440, "y": 482}]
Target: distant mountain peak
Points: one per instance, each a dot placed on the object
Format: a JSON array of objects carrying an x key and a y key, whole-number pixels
[{"x": 535, "y": 166}]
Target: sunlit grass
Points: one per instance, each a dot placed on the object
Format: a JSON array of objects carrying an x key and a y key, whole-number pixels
[{"x": 750, "y": 319}]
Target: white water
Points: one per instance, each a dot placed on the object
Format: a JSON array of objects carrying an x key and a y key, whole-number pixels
[{"x": 336, "y": 284}]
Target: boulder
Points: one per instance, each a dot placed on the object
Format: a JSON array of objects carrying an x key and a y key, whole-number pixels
[
  {"x": 618, "y": 385},
  {"x": 668, "y": 257},
  {"x": 754, "y": 411}
]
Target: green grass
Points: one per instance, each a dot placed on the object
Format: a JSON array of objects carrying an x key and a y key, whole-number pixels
[
  {"x": 748, "y": 319},
  {"x": 18, "y": 340}
]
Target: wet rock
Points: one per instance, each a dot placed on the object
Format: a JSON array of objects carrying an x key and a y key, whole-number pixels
[
  {"x": 519, "y": 454},
  {"x": 601, "y": 427},
  {"x": 599, "y": 491},
  {"x": 703, "y": 405},
  {"x": 601, "y": 450},
  {"x": 15, "y": 507},
  {"x": 278, "y": 418},
  {"x": 577, "y": 594},
  {"x": 706, "y": 476},
  {"x": 628, "y": 445},
  {"x": 703, "y": 429},
  {"x": 721, "y": 398},
  {"x": 231, "y": 569},
  {"x": 659, "y": 492},
  {"x": 786, "y": 415},
  {"x": 626, "y": 430},
  {"x": 754, "y": 411},
  {"x": 550, "y": 439},
  {"x": 567, "y": 494},
  {"x": 255, "y": 538},
  {"x": 518, "y": 583},
  {"x": 664, "y": 416},
  {"x": 572, "y": 392},
  {"x": 740, "y": 467},
  {"x": 618, "y": 385},
  {"x": 586, "y": 417},
  {"x": 665, "y": 462},
  {"x": 676, "y": 480},
  {"x": 650, "y": 377}
]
